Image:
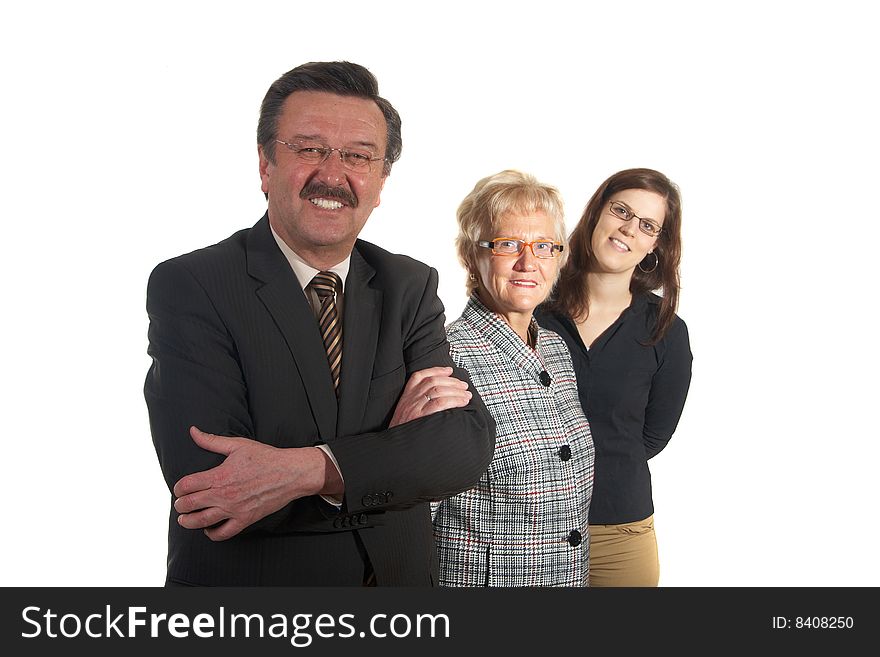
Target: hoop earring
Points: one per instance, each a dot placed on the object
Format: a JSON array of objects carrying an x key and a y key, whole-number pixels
[{"x": 656, "y": 262}]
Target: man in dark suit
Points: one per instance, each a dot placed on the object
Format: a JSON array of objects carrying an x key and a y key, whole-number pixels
[{"x": 320, "y": 462}]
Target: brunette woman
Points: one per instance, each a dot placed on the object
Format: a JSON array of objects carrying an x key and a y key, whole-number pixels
[{"x": 631, "y": 355}]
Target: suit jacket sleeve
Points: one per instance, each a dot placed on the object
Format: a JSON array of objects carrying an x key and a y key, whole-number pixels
[
  {"x": 196, "y": 379},
  {"x": 429, "y": 458}
]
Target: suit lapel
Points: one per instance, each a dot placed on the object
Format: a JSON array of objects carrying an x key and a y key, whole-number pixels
[
  {"x": 360, "y": 334},
  {"x": 283, "y": 298}
]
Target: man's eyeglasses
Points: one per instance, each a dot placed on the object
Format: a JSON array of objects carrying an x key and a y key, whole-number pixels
[
  {"x": 312, "y": 153},
  {"x": 647, "y": 226},
  {"x": 510, "y": 246}
]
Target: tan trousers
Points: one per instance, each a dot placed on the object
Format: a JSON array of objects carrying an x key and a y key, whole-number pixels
[{"x": 624, "y": 555}]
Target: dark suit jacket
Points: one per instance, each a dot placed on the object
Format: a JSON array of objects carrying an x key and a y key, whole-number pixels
[{"x": 236, "y": 351}]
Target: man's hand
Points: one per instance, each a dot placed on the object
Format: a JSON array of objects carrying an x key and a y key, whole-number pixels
[
  {"x": 428, "y": 391},
  {"x": 253, "y": 481}
]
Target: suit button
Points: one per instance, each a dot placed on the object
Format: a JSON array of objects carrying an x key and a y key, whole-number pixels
[
  {"x": 545, "y": 378},
  {"x": 565, "y": 452},
  {"x": 574, "y": 538}
]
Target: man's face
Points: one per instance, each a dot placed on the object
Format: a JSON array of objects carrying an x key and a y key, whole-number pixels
[{"x": 319, "y": 209}]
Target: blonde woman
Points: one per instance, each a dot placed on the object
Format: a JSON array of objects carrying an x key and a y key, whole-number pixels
[{"x": 526, "y": 521}]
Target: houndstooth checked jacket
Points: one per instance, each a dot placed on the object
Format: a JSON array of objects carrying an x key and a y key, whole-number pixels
[{"x": 526, "y": 521}]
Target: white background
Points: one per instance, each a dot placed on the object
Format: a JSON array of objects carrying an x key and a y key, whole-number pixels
[{"x": 128, "y": 137}]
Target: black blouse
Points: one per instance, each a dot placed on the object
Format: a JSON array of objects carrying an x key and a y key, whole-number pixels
[{"x": 633, "y": 396}]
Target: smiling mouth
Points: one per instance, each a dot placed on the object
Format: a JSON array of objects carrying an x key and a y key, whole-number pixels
[
  {"x": 526, "y": 284},
  {"x": 620, "y": 244},
  {"x": 328, "y": 198},
  {"x": 326, "y": 203}
]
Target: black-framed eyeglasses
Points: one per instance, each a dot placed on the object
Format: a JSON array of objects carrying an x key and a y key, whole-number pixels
[
  {"x": 313, "y": 153},
  {"x": 622, "y": 212},
  {"x": 510, "y": 246}
]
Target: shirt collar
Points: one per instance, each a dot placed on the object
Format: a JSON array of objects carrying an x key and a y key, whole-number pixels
[
  {"x": 499, "y": 333},
  {"x": 305, "y": 272}
]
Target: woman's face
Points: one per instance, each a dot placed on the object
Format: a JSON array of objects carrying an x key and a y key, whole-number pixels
[
  {"x": 618, "y": 245},
  {"x": 515, "y": 284}
]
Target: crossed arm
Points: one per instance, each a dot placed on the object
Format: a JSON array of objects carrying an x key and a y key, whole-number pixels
[
  {"x": 256, "y": 479},
  {"x": 439, "y": 439}
]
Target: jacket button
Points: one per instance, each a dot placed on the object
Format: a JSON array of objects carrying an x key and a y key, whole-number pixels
[
  {"x": 545, "y": 378},
  {"x": 565, "y": 452},
  {"x": 574, "y": 538}
]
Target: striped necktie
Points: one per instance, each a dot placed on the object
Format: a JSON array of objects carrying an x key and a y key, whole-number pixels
[{"x": 325, "y": 284}]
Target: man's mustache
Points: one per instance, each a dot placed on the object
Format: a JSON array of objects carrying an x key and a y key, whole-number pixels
[{"x": 317, "y": 188}]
